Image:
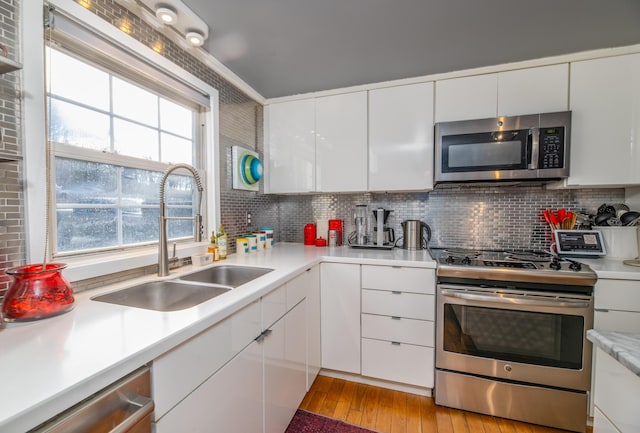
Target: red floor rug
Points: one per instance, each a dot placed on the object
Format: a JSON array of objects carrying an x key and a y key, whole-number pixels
[{"x": 307, "y": 422}]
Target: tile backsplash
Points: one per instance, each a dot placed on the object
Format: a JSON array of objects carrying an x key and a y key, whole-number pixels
[{"x": 495, "y": 217}]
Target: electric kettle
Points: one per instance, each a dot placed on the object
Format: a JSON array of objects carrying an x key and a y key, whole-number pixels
[{"x": 412, "y": 238}]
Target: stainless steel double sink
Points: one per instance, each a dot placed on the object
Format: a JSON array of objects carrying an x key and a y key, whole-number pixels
[{"x": 186, "y": 291}]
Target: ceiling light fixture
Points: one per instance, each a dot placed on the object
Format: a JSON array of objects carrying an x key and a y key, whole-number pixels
[
  {"x": 195, "y": 38},
  {"x": 166, "y": 15}
]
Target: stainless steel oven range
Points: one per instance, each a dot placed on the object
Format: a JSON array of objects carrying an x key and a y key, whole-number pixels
[{"x": 511, "y": 336}]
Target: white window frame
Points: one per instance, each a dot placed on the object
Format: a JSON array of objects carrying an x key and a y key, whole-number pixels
[{"x": 94, "y": 265}]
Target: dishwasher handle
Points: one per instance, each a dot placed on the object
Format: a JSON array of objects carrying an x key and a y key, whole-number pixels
[{"x": 119, "y": 408}]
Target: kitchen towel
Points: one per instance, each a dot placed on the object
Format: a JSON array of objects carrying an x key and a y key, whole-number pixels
[{"x": 307, "y": 422}]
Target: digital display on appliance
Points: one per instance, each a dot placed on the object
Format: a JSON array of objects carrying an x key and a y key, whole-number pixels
[{"x": 579, "y": 242}]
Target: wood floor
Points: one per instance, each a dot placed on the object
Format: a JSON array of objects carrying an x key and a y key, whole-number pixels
[{"x": 388, "y": 411}]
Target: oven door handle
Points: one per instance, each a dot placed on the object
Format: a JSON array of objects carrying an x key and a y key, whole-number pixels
[{"x": 515, "y": 300}]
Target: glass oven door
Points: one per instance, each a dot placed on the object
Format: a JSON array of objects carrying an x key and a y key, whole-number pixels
[{"x": 517, "y": 335}]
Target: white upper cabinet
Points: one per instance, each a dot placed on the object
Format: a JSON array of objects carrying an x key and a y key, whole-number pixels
[
  {"x": 401, "y": 138},
  {"x": 524, "y": 91},
  {"x": 341, "y": 142},
  {"x": 466, "y": 98},
  {"x": 533, "y": 90},
  {"x": 291, "y": 149},
  {"x": 605, "y": 105}
]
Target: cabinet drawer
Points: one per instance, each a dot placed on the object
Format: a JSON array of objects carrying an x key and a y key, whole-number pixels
[
  {"x": 617, "y": 295},
  {"x": 409, "y": 305},
  {"x": 611, "y": 320},
  {"x": 179, "y": 371},
  {"x": 414, "y": 280},
  {"x": 297, "y": 289},
  {"x": 403, "y": 363},
  {"x": 419, "y": 332}
]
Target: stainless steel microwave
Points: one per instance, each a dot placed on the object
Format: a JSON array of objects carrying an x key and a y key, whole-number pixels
[{"x": 529, "y": 147}]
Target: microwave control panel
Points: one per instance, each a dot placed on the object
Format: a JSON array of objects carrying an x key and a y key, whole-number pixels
[{"x": 551, "y": 148}]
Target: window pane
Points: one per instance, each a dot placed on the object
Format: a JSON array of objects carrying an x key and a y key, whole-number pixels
[
  {"x": 84, "y": 228},
  {"x": 140, "y": 225},
  {"x": 77, "y": 80},
  {"x": 175, "y": 149},
  {"x": 135, "y": 140},
  {"x": 180, "y": 228},
  {"x": 70, "y": 124},
  {"x": 134, "y": 103},
  {"x": 175, "y": 118},
  {"x": 81, "y": 183},
  {"x": 140, "y": 187},
  {"x": 179, "y": 191}
]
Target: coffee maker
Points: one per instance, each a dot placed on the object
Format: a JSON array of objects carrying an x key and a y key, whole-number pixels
[{"x": 382, "y": 235}]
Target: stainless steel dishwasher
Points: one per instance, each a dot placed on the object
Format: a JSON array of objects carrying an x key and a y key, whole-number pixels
[{"x": 123, "y": 407}]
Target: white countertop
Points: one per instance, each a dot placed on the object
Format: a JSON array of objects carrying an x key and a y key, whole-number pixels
[
  {"x": 49, "y": 365},
  {"x": 612, "y": 269}
]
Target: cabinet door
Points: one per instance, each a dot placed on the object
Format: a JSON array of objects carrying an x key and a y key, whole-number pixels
[
  {"x": 314, "y": 360},
  {"x": 605, "y": 105},
  {"x": 341, "y": 142},
  {"x": 466, "y": 98},
  {"x": 340, "y": 316},
  {"x": 285, "y": 371},
  {"x": 290, "y": 147},
  {"x": 181, "y": 370},
  {"x": 401, "y": 138},
  {"x": 533, "y": 90},
  {"x": 601, "y": 424},
  {"x": 617, "y": 392},
  {"x": 231, "y": 400}
]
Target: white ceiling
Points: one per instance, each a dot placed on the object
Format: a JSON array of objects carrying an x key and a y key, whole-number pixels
[{"x": 286, "y": 47}]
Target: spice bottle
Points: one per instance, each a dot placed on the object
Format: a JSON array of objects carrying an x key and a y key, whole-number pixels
[
  {"x": 213, "y": 248},
  {"x": 222, "y": 243}
]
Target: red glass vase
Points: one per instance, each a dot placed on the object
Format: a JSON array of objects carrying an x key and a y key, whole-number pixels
[{"x": 38, "y": 291}]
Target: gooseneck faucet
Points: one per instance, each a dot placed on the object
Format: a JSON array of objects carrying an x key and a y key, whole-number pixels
[{"x": 163, "y": 255}]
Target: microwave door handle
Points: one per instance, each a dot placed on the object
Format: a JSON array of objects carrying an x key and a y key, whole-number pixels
[
  {"x": 515, "y": 300},
  {"x": 535, "y": 148}
]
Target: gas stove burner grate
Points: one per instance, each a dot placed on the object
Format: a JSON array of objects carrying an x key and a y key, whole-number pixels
[
  {"x": 529, "y": 257},
  {"x": 461, "y": 253}
]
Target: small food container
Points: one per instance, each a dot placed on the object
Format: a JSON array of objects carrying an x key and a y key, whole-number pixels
[{"x": 242, "y": 246}]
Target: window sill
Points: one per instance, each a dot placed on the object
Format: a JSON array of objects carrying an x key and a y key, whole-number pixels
[{"x": 82, "y": 268}]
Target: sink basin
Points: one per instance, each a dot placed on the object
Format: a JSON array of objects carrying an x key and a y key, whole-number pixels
[
  {"x": 164, "y": 295},
  {"x": 232, "y": 276}
]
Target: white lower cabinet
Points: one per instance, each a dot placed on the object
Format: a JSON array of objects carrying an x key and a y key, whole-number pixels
[
  {"x": 314, "y": 353},
  {"x": 601, "y": 424},
  {"x": 398, "y": 324},
  {"x": 285, "y": 371},
  {"x": 230, "y": 401},
  {"x": 340, "y": 314},
  {"x": 246, "y": 374},
  {"x": 617, "y": 394}
]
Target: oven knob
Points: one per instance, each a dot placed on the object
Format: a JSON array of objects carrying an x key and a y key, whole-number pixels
[
  {"x": 508, "y": 368},
  {"x": 555, "y": 265},
  {"x": 575, "y": 266},
  {"x": 466, "y": 261}
]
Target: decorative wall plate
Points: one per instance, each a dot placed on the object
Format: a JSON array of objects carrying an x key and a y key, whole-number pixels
[{"x": 247, "y": 169}]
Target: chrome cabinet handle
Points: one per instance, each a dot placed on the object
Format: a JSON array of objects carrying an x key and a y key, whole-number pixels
[
  {"x": 145, "y": 407},
  {"x": 515, "y": 300},
  {"x": 262, "y": 335}
]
